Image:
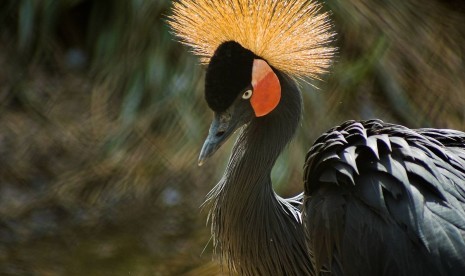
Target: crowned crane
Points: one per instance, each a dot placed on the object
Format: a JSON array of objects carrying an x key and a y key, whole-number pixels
[{"x": 379, "y": 198}]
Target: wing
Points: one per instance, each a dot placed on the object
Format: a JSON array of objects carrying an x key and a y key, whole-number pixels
[{"x": 382, "y": 199}]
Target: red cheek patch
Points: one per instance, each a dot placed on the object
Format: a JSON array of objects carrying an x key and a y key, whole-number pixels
[{"x": 266, "y": 88}]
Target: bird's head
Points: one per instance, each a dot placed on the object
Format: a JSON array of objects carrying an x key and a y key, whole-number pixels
[
  {"x": 239, "y": 86},
  {"x": 246, "y": 45}
]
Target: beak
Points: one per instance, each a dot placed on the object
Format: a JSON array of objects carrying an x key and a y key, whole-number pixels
[{"x": 221, "y": 128}]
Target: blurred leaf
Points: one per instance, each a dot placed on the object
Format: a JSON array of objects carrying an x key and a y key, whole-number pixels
[{"x": 26, "y": 24}]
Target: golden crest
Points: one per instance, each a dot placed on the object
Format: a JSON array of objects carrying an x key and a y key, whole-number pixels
[{"x": 291, "y": 35}]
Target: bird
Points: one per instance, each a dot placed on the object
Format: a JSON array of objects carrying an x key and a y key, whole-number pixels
[{"x": 378, "y": 198}]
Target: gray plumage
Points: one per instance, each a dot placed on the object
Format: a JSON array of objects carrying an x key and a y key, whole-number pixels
[
  {"x": 249, "y": 221},
  {"x": 380, "y": 199},
  {"x": 383, "y": 199}
]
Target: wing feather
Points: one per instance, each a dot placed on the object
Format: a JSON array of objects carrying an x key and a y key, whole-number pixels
[{"x": 382, "y": 199}]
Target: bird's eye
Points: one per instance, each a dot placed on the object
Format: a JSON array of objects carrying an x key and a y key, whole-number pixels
[{"x": 247, "y": 94}]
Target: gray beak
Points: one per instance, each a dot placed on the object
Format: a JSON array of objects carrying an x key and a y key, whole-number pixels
[{"x": 221, "y": 128}]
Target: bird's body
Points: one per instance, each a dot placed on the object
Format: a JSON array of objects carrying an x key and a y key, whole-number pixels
[
  {"x": 383, "y": 199},
  {"x": 379, "y": 199}
]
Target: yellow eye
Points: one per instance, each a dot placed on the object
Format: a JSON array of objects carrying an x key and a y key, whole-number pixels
[{"x": 247, "y": 94}]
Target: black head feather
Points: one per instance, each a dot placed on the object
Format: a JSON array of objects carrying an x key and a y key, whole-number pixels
[{"x": 229, "y": 73}]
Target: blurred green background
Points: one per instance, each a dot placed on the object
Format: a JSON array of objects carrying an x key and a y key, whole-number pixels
[{"x": 102, "y": 118}]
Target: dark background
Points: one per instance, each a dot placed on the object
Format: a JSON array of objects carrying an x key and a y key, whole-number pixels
[{"x": 102, "y": 118}]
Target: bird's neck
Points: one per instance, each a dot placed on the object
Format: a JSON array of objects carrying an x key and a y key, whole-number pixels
[{"x": 248, "y": 218}]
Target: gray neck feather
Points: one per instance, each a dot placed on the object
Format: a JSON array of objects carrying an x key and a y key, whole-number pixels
[{"x": 256, "y": 231}]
